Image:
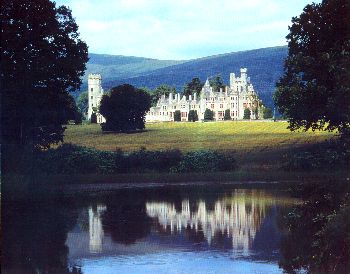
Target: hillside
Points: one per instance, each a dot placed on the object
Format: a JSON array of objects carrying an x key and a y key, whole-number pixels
[
  {"x": 265, "y": 66},
  {"x": 114, "y": 67}
]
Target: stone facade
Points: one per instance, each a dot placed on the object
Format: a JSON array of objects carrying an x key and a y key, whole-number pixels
[
  {"x": 236, "y": 97},
  {"x": 95, "y": 93}
]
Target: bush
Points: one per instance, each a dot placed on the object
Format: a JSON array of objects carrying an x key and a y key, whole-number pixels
[
  {"x": 177, "y": 116},
  {"x": 192, "y": 115},
  {"x": 328, "y": 155},
  {"x": 208, "y": 115},
  {"x": 205, "y": 161},
  {"x": 246, "y": 114},
  {"x": 227, "y": 115},
  {"x": 93, "y": 119},
  {"x": 73, "y": 159}
]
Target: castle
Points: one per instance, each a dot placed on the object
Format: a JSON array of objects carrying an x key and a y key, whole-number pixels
[{"x": 236, "y": 97}]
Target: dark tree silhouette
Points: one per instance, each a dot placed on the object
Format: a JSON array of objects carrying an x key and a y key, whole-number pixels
[
  {"x": 227, "y": 115},
  {"x": 125, "y": 108},
  {"x": 42, "y": 59},
  {"x": 314, "y": 92},
  {"x": 195, "y": 86},
  {"x": 208, "y": 115},
  {"x": 177, "y": 116},
  {"x": 246, "y": 114}
]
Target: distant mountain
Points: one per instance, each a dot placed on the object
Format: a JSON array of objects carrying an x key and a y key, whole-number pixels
[
  {"x": 265, "y": 67},
  {"x": 114, "y": 67}
]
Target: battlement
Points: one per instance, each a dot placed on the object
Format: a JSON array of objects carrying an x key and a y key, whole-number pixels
[{"x": 95, "y": 76}]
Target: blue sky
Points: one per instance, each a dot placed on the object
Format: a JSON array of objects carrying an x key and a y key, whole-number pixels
[{"x": 182, "y": 29}]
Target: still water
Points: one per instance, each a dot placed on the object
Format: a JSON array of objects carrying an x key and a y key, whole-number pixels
[{"x": 158, "y": 230}]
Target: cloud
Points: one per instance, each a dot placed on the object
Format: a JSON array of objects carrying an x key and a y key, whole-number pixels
[{"x": 182, "y": 29}]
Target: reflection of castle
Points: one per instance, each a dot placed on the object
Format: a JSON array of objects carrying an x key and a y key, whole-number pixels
[
  {"x": 95, "y": 228},
  {"x": 238, "y": 217}
]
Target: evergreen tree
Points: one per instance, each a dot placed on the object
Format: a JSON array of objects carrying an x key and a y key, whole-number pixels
[
  {"x": 192, "y": 116},
  {"x": 177, "y": 116},
  {"x": 195, "y": 86},
  {"x": 208, "y": 115},
  {"x": 216, "y": 83},
  {"x": 227, "y": 115},
  {"x": 246, "y": 114}
]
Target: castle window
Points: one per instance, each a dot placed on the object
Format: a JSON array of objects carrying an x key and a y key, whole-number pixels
[
  {"x": 92, "y": 89},
  {"x": 221, "y": 106},
  {"x": 212, "y": 105},
  {"x": 92, "y": 97}
]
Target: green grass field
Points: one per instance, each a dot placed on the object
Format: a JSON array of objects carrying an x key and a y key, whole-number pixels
[{"x": 256, "y": 143}]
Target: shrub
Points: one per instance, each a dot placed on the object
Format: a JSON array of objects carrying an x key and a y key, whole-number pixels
[
  {"x": 93, "y": 119},
  {"x": 267, "y": 113},
  {"x": 227, "y": 115},
  {"x": 208, "y": 115},
  {"x": 177, "y": 116},
  {"x": 246, "y": 114},
  {"x": 205, "y": 161},
  {"x": 192, "y": 115}
]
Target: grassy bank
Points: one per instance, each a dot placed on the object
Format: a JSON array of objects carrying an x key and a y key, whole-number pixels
[{"x": 256, "y": 145}]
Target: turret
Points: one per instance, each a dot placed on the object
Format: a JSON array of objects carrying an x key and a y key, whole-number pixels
[
  {"x": 232, "y": 79},
  {"x": 243, "y": 74}
]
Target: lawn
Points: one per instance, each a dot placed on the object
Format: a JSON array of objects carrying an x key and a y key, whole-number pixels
[{"x": 255, "y": 143}]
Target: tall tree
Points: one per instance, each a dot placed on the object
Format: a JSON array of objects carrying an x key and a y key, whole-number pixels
[
  {"x": 195, "y": 86},
  {"x": 161, "y": 90},
  {"x": 125, "y": 108},
  {"x": 42, "y": 59},
  {"x": 314, "y": 92},
  {"x": 83, "y": 102},
  {"x": 216, "y": 83}
]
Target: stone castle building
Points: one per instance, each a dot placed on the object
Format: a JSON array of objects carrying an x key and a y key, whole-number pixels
[{"x": 236, "y": 97}]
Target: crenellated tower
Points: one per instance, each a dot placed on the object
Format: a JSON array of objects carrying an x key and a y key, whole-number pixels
[{"x": 95, "y": 93}]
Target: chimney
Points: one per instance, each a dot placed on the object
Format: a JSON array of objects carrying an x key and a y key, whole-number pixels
[
  {"x": 195, "y": 96},
  {"x": 190, "y": 97}
]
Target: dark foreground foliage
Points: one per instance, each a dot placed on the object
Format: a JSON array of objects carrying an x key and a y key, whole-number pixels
[
  {"x": 72, "y": 159},
  {"x": 329, "y": 155},
  {"x": 318, "y": 237}
]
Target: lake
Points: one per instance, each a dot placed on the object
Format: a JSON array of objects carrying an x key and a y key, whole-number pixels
[{"x": 204, "y": 229}]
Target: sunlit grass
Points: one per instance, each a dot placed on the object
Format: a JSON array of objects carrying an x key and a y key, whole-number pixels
[{"x": 241, "y": 137}]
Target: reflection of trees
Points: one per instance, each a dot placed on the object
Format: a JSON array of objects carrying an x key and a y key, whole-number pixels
[
  {"x": 318, "y": 237},
  {"x": 126, "y": 220},
  {"x": 34, "y": 238},
  {"x": 237, "y": 216}
]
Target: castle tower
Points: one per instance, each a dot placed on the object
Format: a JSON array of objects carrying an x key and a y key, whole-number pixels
[
  {"x": 232, "y": 79},
  {"x": 243, "y": 74},
  {"x": 95, "y": 93}
]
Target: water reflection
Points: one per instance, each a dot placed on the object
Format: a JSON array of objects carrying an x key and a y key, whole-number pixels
[
  {"x": 95, "y": 228},
  {"x": 239, "y": 217},
  {"x": 152, "y": 228}
]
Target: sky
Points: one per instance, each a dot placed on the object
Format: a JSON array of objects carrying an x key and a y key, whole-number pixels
[{"x": 182, "y": 29}]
